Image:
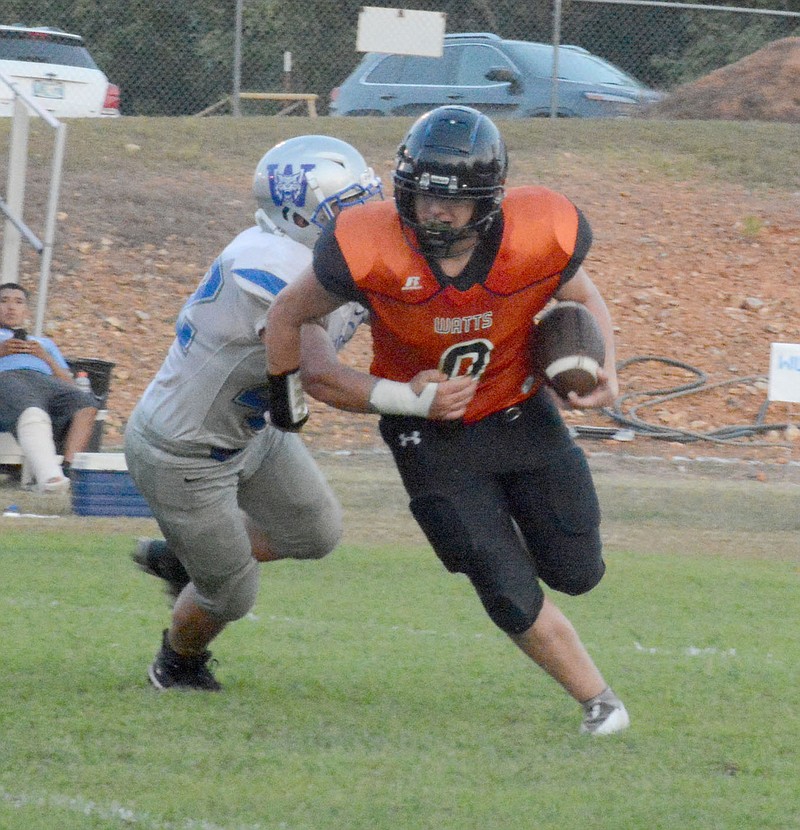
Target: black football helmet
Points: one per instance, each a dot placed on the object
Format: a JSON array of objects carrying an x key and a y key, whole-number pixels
[{"x": 450, "y": 152}]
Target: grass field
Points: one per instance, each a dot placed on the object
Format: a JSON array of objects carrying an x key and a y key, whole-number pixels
[
  {"x": 753, "y": 154},
  {"x": 369, "y": 691}
]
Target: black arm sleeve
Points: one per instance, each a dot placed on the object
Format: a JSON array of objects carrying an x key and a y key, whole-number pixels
[
  {"x": 332, "y": 271},
  {"x": 583, "y": 241}
]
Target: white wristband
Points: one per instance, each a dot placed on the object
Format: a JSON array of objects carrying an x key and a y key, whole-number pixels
[{"x": 389, "y": 397}]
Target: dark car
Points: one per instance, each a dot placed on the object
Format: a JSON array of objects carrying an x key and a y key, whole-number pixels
[{"x": 503, "y": 78}]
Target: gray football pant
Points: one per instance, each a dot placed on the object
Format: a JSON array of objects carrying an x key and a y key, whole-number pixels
[{"x": 199, "y": 504}]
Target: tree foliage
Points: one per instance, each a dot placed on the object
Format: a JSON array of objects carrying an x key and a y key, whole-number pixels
[{"x": 175, "y": 58}]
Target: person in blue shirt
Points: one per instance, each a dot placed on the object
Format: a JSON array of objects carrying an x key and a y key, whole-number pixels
[{"x": 40, "y": 404}]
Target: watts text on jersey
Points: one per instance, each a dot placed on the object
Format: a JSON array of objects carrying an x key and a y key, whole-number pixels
[{"x": 462, "y": 325}]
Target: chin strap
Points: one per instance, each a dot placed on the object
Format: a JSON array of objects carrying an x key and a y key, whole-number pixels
[{"x": 433, "y": 249}]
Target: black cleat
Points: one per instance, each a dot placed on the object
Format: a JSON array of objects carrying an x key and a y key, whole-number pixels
[
  {"x": 154, "y": 557},
  {"x": 171, "y": 670}
]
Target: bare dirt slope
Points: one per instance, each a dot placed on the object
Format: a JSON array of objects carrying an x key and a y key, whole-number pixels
[
  {"x": 704, "y": 273},
  {"x": 763, "y": 86},
  {"x": 707, "y": 276}
]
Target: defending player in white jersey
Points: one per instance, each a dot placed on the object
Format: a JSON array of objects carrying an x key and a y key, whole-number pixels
[{"x": 229, "y": 490}]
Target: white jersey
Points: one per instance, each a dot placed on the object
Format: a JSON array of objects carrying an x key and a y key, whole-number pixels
[{"x": 211, "y": 390}]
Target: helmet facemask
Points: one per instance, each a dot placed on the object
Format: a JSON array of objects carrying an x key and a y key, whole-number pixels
[
  {"x": 328, "y": 207},
  {"x": 440, "y": 240}
]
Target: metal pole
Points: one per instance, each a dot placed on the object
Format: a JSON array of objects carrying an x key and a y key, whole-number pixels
[
  {"x": 236, "y": 109},
  {"x": 556, "y": 44},
  {"x": 50, "y": 226},
  {"x": 17, "y": 166},
  {"x": 287, "y": 71}
]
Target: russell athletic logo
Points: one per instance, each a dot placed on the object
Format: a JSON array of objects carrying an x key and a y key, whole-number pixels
[
  {"x": 288, "y": 186},
  {"x": 412, "y": 284}
]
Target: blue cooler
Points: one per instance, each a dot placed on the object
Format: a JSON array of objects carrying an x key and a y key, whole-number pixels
[{"x": 102, "y": 486}]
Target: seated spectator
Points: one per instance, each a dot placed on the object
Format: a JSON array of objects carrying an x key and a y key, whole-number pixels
[{"x": 39, "y": 401}]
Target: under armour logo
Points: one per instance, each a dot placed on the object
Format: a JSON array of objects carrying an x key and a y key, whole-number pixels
[
  {"x": 414, "y": 438},
  {"x": 412, "y": 284}
]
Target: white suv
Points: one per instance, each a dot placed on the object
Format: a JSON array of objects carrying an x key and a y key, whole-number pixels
[{"x": 57, "y": 71}]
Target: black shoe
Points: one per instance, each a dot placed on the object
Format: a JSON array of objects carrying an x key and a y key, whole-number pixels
[
  {"x": 171, "y": 670},
  {"x": 154, "y": 557}
]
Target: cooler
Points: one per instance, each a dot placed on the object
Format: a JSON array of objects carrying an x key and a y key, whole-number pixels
[{"x": 102, "y": 486}]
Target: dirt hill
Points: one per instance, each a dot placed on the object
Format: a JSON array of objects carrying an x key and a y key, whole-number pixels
[
  {"x": 695, "y": 270},
  {"x": 764, "y": 86}
]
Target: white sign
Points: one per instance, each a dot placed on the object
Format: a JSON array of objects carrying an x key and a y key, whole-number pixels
[
  {"x": 400, "y": 31},
  {"x": 784, "y": 372}
]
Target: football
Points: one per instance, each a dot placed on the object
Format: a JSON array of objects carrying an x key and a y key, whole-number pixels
[{"x": 568, "y": 348}]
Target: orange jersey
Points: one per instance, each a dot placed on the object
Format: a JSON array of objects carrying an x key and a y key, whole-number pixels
[{"x": 419, "y": 323}]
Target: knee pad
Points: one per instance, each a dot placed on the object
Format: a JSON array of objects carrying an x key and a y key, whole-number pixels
[
  {"x": 505, "y": 580},
  {"x": 315, "y": 530},
  {"x": 577, "y": 581},
  {"x": 233, "y": 598},
  {"x": 327, "y": 537},
  {"x": 558, "y": 514},
  {"x": 507, "y": 613}
]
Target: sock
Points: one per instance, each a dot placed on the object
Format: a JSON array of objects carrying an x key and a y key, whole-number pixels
[{"x": 606, "y": 696}]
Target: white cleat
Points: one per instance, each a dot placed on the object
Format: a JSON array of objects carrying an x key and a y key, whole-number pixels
[{"x": 604, "y": 716}]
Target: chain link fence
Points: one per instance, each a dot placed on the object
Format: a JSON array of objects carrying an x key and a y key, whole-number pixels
[{"x": 176, "y": 58}]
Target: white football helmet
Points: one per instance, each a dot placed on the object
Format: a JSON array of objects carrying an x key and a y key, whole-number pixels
[{"x": 302, "y": 183}]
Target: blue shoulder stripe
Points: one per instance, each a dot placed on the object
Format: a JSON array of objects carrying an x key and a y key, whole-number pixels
[{"x": 263, "y": 279}]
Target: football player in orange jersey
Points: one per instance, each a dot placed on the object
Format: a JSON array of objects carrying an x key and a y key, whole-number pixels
[{"x": 453, "y": 274}]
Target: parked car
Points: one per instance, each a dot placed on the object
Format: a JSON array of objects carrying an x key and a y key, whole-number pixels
[
  {"x": 503, "y": 78},
  {"x": 57, "y": 71}
]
